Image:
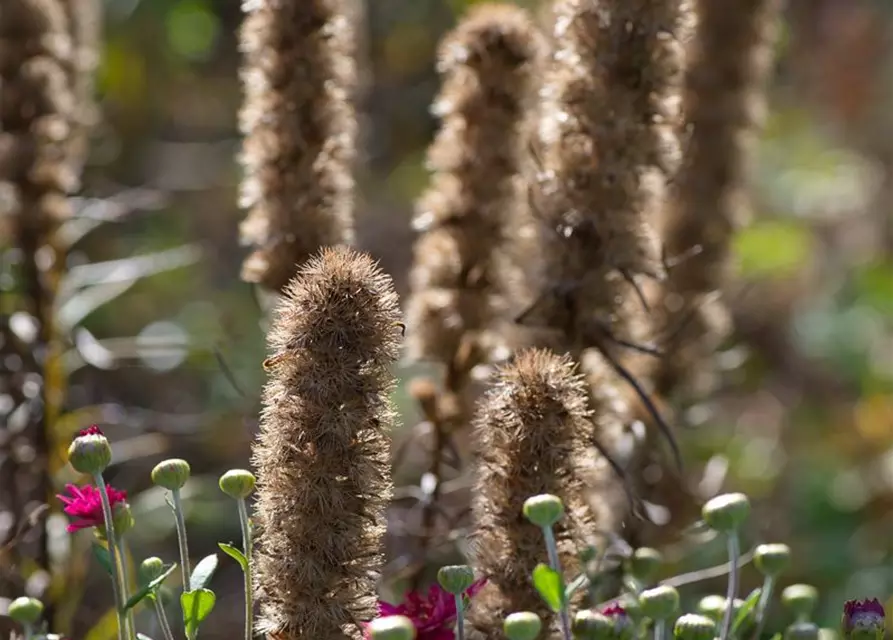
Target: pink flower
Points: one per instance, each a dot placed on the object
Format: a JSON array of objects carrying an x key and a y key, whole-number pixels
[
  {"x": 92, "y": 430},
  {"x": 864, "y": 618},
  {"x": 614, "y": 610},
  {"x": 85, "y": 505},
  {"x": 434, "y": 616}
]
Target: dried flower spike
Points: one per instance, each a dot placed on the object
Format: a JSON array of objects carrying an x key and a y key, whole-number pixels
[
  {"x": 322, "y": 457},
  {"x": 300, "y": 133}
]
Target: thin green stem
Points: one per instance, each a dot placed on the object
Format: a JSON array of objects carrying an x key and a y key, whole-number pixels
[
  {"x": 185, "y": 570},
  {"x": 246, "y": 550},
  {"x": 29, "y": 631},
  {"x": 555, "y": 563},
  {"x": 118, "y": 588},
  {"x": 763, "y": 605},
  {"x": 162, "y": 618},
  {"x": 460, "y": 617},
  {"x": 732, "y": 591},
  {"x": 660, "y": 629},
  {"x": 121, "y": 550}
]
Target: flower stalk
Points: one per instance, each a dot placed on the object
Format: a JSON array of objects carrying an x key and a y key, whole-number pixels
[
  {"x": 246, "y": 549},
  {"x": 119, "y": 587},
  {"x": 183, "y": 545}
]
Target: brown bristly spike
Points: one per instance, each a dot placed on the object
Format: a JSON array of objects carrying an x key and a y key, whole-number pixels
[
  {"x": 487, "y": 67},
  {"x": 322, "y": 455},
  {"x": 300, "y": 127},
  {"x": 532, "y": 436}
]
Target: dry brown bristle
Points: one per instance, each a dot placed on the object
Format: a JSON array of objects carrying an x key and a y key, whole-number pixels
[
  {"x": 532, "y": 436},
  {"x": 323, "y": 452},
  {"x": 300, "y": 133},
  {"x": 487, "y": 66}
]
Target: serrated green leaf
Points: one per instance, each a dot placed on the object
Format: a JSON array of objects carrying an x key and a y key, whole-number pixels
[
  {"x": 102, "y": 556},
  {"x": 203, "y": 572},
  {"x": 197, "y": 605},
  {"x": 745, "y": 609},
  {"x": 235, "y": 554},
  {"x": 547, "y": 582},
  {"x": 149, "y": 589}
]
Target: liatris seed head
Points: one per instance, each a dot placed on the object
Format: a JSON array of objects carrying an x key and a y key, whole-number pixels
[
  {"x": 726, "y": 513},
  {"x": 863, "y": 620},
  {"x": 26, "y": 611},
  {"x": 659, "y": 603},
  {"x": 237, "y": 483},
  {"x": 694, "y": 627},
  {"x": 455, "y": 579},
  {"x": 591, "y": 625},
  {"x": 802, "y": 631},
  {"x": 523, "y": 625},
  {"x": 149, "y": 569},
  {"x": 90, "y": 452},
  {"x": 644, "y": 564},
  {"x": 171, "y": 474},
  {"x": 391, "y": 628},
  {"x": 772, "y": 559},
  {"x": 800, "y": 599},
  {"x": 543, "y": 510}
]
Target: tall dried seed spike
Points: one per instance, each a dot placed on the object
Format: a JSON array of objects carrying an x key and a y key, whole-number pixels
[
  {"x": 487, "y": 65},
  {"x": 300, "y": 127},
  {"x": 731, "y": 61},
  {"x": 322, "y": 456},
  {"x": 531, "y": 438}
]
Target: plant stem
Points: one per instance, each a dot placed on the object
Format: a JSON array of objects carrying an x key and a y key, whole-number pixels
[
  {"x": 763, "y": 605},
  {"x": 118, "y": 588},
  {"x": 552, "y": 550},
  {"x": 460, "y": 617},
  {"x": 121, "y": 550},
  {"x": 660, "y": 629},
  {"x": 246, "y": 549},
  {"x": 162, "y": 619},
  {"x": 29, "y": 632},
  {"x": 185, "y": 571},
  {"x": 732, "y": 591}
]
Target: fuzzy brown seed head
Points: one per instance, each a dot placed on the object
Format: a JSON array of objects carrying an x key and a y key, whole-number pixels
[
  {"x": 487, "y": 65},
  {"x": 531, "y": 437},
  {"x": 300, "y": 133},
  {"x": 322, "y": 456}
]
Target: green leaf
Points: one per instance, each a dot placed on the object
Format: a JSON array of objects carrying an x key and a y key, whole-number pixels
[
  {"x": 149, "y": 589},
  {"x": 203, "y": 572},
  {"x": 548, "y": 583},
  {"x": 102, "y": 556},
  {"x": 197, "y": 605},
  {"x": 235, "y": 554},
  {"x": 577, "y": 583},
  {"x": 745, "y": 609}
]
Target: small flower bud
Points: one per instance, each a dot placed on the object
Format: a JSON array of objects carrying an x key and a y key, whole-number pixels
[
  {"x": 714, "y": 606},
  {"x": 591, "y": 625},
  {"x": 772, "y": 559},
  {"x": 644, "y": 564},
  {"x": 90, "y": 452},
  {"x": 392, "y": 628},
  {"x": 171, "y": 474},
  {"x": 150, "y": 568},
  {"x": 122, "y": 519},
  {"x": 455, "y": 579},
  {"x": 543, "y": 510},
  {"x": 802, "y": 631},
  {"x": 727, "y": 512},
  {"x": 237, "y": 483},
  {"x": 694, "y": 627},
  {"x": 800, "y": 599},
  {"x": 25, "y": 611},
  {"x": 524, "y": 625},
  {"x": 863, "y": 620},
  {"x": 660, "y": 603}
]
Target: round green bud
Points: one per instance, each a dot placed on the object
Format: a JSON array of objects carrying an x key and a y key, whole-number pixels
[
  {"x": 727, "y": 512},
  {"x": 171, "y": 474},
  {"x": 715, "y": 606},
  {"x": 591, "y": 625},
  {"x": 237, "y": 483},
  {"x": 26, "y": 611},
  {"x": 659, "y": 603},
  {"x": 524, "y": 625},
  {"x": 772, "y": 559},
  {"x": 150, "y": 568},
  {"x": 800, "y": 599},
  {"x": 802, "y": 631},
  {"x": 644, "y": 564},
  {"x": 543, "y": 510},
  {"x": 90, "y": 453},
  {"x": 455, "y": 578},
  {"x": 694, "y": 627},
  {"x": 392, "y": 628},
  {"x": 122, "y": 517}
]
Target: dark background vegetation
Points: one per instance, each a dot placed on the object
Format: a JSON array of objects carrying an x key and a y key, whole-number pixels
[{"x": 803, "y": 422}]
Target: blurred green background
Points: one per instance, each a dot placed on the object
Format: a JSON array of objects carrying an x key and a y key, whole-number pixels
[{"x": 172, "y": 364}]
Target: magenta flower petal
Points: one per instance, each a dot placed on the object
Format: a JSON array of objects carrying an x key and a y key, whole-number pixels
[{"x": 84, "y": 505}]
